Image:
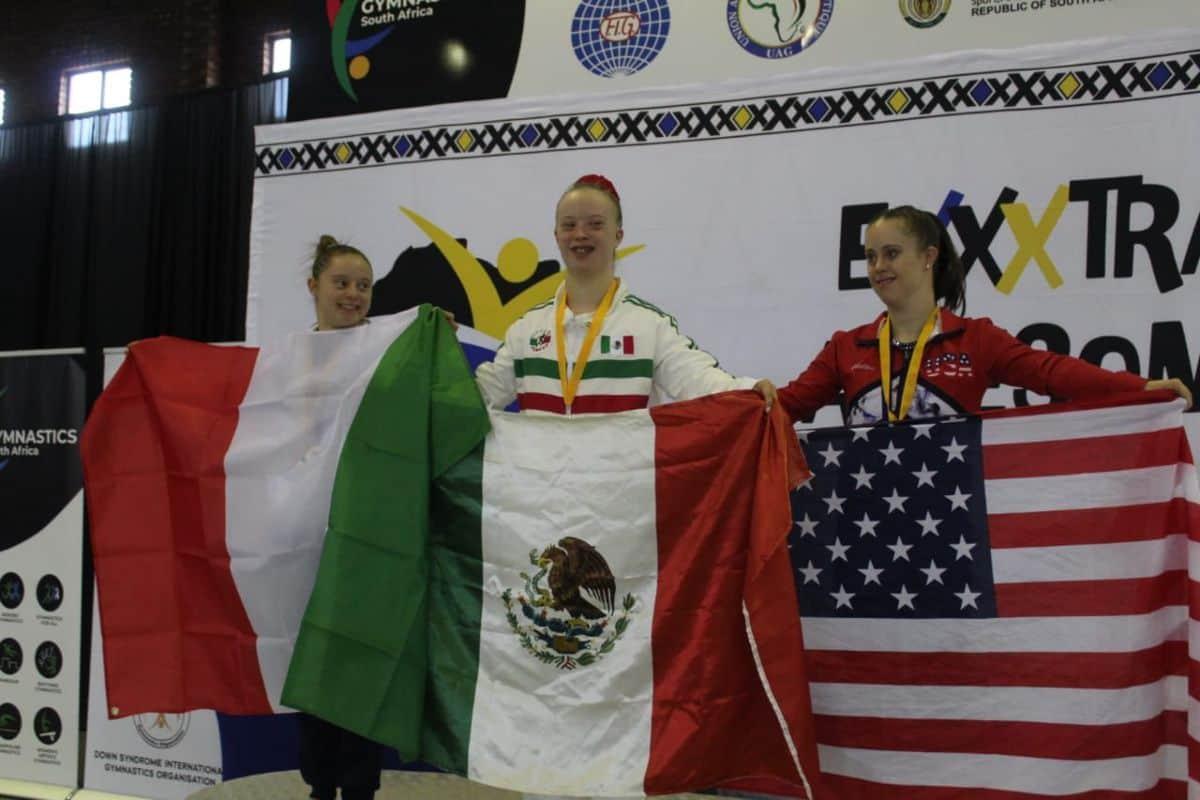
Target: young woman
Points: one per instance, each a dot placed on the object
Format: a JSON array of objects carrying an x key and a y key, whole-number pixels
[
  {"x": 597, "y": 347},
  {"x": 340, "y": 284},
  {"x": 935, "y": 361}
]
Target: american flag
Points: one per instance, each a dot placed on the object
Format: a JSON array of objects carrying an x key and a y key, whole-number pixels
[{"x": 998, "y": 607}]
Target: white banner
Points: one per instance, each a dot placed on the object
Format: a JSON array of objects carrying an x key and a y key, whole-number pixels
[
  {"x": 41, "y": 565},
  {"x": 1069, "y": 182},
  {"x": 595, "y": 45}
]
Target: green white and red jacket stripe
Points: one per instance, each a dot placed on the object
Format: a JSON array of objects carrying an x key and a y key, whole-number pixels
[{"x": 639, "y": 359}]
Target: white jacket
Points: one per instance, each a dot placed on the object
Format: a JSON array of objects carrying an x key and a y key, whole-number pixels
[{"x": 638, "y": 359}]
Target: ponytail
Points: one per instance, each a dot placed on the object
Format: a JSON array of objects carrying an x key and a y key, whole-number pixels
[
  {"x": 949, "y": 276},
  {"x": 326, "y": 248}
]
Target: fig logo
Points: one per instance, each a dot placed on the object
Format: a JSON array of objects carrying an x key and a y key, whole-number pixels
[{"x": 620, "y": 26}]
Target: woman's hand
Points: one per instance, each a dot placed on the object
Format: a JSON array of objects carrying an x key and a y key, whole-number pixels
[
  {"x": 1174, "y": 384},
  {"x": 449, "y": 315},
  {"x": 767, "y": 389}
]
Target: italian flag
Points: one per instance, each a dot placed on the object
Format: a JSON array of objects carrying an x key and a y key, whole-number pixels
[
  {"x": 211, "y": 473},
  {"x": 610, "y": 610}
]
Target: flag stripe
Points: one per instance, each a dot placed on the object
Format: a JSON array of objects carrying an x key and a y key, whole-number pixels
[
  {"x": 848, "y": 788},
  {"x": 1099, "y": 453},
  {"x": 1011, "y": 773},
  {"x": 1086, "y": 490},
  {"x": 691, "y": 509},
  {"x": 1069, "y": 670},
  {"x": 1103, "y": 740},
  {"x": 1145, "y": 521},
  {"x": 153, "y": 452},
  {"x": 1088, "y": 598},
  {"x": 1002, "y": 703},
  {"x": 455, "y": 611},
  {"x": 1112, "y": 634}
]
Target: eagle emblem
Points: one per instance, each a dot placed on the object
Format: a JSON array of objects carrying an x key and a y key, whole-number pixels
[{"x": 571, "y": 620}]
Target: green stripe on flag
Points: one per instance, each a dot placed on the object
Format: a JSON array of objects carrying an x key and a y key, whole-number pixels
[
  {"x": 455, "y": 611},
  {"x": 361, "y": 655},
  {"x": 606, "y": 368}
]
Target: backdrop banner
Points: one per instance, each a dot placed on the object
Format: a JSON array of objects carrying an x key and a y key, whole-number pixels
[
  {"x": 1064, "y": 172},
  {"x": 41, "y": 566}
]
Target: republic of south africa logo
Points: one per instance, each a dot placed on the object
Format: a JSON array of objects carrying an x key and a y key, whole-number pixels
[
  {"x": 924, "y": 13},
  {"x": 612, "y": 38},
  {"x": 776, "y": 28},
  {"x": 571, "y": 621}
]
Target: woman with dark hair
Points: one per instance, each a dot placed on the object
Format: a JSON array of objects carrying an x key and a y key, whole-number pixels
[{"x": 936, "y": 362}]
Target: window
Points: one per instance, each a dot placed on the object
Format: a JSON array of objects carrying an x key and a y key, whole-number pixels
[
  {"x": 277, "y": 53},
  {"x": 85, "y": 91},
  {"x": 3, "y": 97}
]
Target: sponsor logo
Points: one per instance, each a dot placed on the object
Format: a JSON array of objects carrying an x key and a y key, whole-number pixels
[
  {"x": 47, "y": 726},
  {"x": 572, "y": 620},
  {"x": 613, "y": 38},
  {"x": 540, "y": 340},
  {"x": 350, "y": 61},
  {"x": 924, "y": 13},
  {"x": 777, "y": 28},
  {"x": 11, "y": 656},
  {"x": 12, "y": 590},
  {"x": 162, "y": 730}
]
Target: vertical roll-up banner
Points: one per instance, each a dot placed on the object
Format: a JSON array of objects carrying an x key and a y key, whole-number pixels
[
  {"x": 163, "y": 756},
  {"x": 42, "y": 403}
]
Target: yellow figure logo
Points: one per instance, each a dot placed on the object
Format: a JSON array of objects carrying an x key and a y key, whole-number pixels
[{"x": 516, "y": 262}]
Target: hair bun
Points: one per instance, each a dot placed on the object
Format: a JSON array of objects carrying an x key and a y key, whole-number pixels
[{"x": 600, "y": 182}]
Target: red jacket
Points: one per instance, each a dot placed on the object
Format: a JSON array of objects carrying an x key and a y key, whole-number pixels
[{"x": 962, "y": 359}]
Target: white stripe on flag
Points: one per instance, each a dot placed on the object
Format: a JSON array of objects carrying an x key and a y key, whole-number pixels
[
  {"x": 1114, "y": 634},
  {"x": 1090, "y": 562},
  {"x": 1003, "y": 703},
  {"x": 1007, "y": 773},
  {"x": 1087, "y": 490},
  {"x": 1063, "y": 425}
]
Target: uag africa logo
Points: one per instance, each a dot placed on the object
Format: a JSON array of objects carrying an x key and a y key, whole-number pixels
[
  {"x": 776, "y": 28},
  {"x": 612, "y": 38},
  {"x": 571, "y": 621},
  {"x": 349, "y": 55}
]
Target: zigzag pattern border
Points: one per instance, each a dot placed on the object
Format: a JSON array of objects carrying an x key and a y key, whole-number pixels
[{"x": 1100, "y": 82}]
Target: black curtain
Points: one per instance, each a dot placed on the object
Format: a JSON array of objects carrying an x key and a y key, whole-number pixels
[{"x": 129, "y": 224}]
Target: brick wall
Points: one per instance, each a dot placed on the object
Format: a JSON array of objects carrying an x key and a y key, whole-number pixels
[{"x": 174, "y": 46}]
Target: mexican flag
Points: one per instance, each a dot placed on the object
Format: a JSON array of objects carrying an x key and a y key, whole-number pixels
[
  {"x": 213, "y": 473},
  {"x": 609, "y": 603}
]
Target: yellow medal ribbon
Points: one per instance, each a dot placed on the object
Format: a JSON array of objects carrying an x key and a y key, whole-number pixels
[
  {"x": 912, "y": 369},
  {"x": 571, "y": 385}
]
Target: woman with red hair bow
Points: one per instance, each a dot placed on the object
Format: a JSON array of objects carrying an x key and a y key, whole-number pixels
[{"x": 597, "y": 347}]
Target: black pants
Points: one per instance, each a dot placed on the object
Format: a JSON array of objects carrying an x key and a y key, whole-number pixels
[{"x": 331, "y": 757}]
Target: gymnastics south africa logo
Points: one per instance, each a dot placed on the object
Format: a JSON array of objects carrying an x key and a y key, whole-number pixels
[
  {"x": 350, "y": 60},
  {"x": 613, "y": 38},
  {"x": 776, "y": 28}
]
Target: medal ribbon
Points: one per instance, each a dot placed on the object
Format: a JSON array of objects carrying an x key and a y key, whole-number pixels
[
  {"x": 571, "y": 385},
  {"x": 912, "y": 369}
]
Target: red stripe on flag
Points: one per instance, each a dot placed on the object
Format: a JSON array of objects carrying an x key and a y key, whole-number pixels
[
  {"x": 1144, "y": 522},
  {"x": 1005, "y": 737},
  {"x": 1065, "y": 670},
  {"x": 160, "y": 432},
  {"x": 1096, "y": 453},
  {"x": 722, "y": 533},
  {"x": 1092, "y": 598},
  {"x": 844, "y": 788}
]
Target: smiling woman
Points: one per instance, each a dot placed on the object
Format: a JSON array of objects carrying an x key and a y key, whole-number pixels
[
  {"x": 919, "y": 359},
  {"x": 596, "y": 347},
  {"x": 341, "y": 284}
]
